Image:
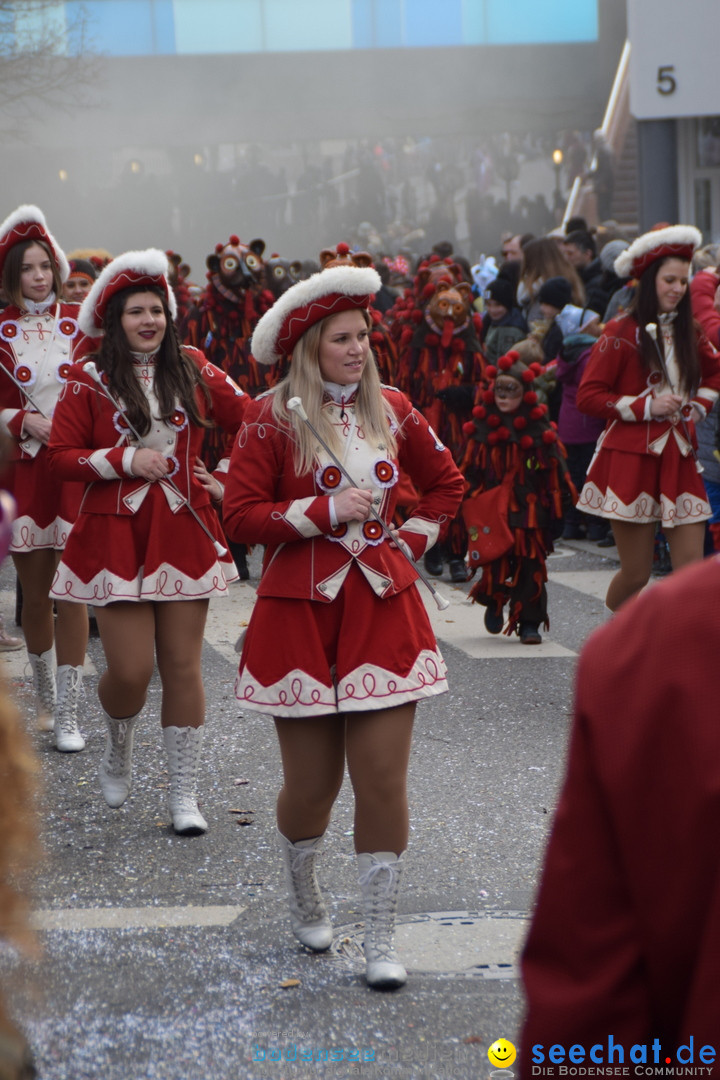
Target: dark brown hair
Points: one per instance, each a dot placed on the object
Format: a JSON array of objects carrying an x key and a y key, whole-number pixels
[
  {"x": 176, "y": 375},
  {"x": 644, "y": 307},
  {"x": 12, "y": 269}
]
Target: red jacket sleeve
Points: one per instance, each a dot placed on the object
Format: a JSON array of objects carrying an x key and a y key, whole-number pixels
[{"x": 702, "y": 295}]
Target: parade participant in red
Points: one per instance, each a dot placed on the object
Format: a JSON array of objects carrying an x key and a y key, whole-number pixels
[
  {"x": 339, "y": 648},
  {"x": 651, "y": 376},
  {"x": 39, "y": 337},
  {"x": 146, "y": 549}
]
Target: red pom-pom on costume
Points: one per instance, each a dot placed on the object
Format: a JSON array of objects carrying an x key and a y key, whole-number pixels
[
  {"x": 526, "y": 442},
  {"x": 527, "y": 375},
  {"x": 376, "y": 337},
  {"x": 234, "y": 240},
  {"x": 406, "y": 336},
  {"x": 505, "y": 363},
  {"x": 536, "y": 413},
  {"x": 468, "y": 427},
  {"x": 503, "y": 433},
  {"x": 536, "y": 368},
  {"x": 494, "y": 421},
  {"x": 519, "y": 423},
  {"x": 490, "y": 371},
  {"x": 488, "y": 397},
  {"x": 549, "y": 436},
  {"x": 428, "y": 291},
  {"x": 343, "y": 248},
  {"x": 492, "y": 438},
  {"x": 479, "y": 412},
  {"x": 530, "y": 397}
]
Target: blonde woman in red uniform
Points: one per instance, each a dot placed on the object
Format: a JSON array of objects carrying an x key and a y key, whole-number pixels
[
  {"x": 39, "y": 337},
  {"x": 146, "y": 549},
  {"x": 652, "y": 375},
  {"x": 339, "y": 648}
]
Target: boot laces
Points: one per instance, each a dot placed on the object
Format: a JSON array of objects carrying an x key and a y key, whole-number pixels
[
  {"x": 382, "y": 882},
  {"x": 306, "y": 891},
  {"x": 183, "y": 782},
  {"x": 45, "y": 684},
  {"x": 67, "y": 711},
  {"x": 118, "y": 759}
]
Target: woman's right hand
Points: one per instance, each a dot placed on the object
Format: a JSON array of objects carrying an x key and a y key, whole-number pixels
[
  {"x": 149, "y": 464},
  {"x": 665, "y": 405},
  {"x": 37, "y": 426},
  {"x": 353, "y": 504}
]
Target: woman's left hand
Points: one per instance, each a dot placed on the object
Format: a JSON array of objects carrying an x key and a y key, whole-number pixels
[{"x": 207, "y": 480}]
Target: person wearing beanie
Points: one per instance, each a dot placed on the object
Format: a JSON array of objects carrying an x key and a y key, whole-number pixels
[
  {"x": 651, "y": 376},
  {"x": 147, "y": 547},
  {"x": 79, "y": 283},
  {"x": 503, "y": 323},
  {"x": 339, "y": 648},
  {"x": 39, "y": 339},
  {"x": 518, "y": 486}
]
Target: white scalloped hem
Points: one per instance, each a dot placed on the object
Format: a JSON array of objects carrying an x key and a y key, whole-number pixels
[
  {"x": 644, "y": 509},
  {"x": 366, "y": 689},
  {"x": 27, "y": 535},
  {"x": 165, "y": 584}
]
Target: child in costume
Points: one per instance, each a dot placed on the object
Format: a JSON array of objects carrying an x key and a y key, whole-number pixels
[{"x": 512, "y": 442}]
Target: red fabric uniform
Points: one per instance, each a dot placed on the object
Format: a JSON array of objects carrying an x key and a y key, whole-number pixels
[
  {"x": 625, "y": 938},
  {"x": 702, "y": 296},
  {"x": 133, "y": 539},
  {"x": 338, "y": 625},
  {"x": 37, "y": 350},
  {"x": 643, "y": 469}
]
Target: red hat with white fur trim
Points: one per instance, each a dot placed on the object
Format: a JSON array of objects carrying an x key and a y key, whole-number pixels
[
  {"x": 28, "y": 223},
  {"x": 133, "y": 270},
  {"x": 672, "y": 242},
  {"x": 337, "y": 289}
]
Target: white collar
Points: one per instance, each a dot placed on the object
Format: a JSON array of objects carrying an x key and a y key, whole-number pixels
[
  {"x": 34, "y": 308},
  {"x": 339, "y": 393},
  {"x": 143, "y": 357}
]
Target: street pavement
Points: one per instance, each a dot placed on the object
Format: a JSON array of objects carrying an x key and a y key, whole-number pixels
[{"x": 171, "y": 958}]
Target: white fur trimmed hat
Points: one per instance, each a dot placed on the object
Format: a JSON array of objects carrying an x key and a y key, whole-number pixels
[
  {"x": 339, "y": 288},
  {"x": 28, "y": 223},
  {"x": 134, "y": 269},
  {"x": 673, "y": 241}
]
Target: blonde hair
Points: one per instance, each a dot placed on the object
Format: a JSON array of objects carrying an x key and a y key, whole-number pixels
[
  {"x": 305, "y": 381},
  {"x": 19, "y": 846}
]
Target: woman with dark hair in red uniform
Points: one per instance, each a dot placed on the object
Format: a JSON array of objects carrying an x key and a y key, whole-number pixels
[
  {"x": 39, "y": 337},
  {"x": 146, "y": 549},
  {"x": 651, "y": 376}
]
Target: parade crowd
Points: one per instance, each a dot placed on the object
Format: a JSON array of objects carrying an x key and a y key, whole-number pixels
[{"x": 372, "y": 423}]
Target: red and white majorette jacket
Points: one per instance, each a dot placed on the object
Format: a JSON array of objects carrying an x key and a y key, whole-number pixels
[
  {"x": 91, "y": 442},
  {"x": 37, "y": 350},
  {"x": 617, "y": 386},
  {"x": 267, "y": 502}
]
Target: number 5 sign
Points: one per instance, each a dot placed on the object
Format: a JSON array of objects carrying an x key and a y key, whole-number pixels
[{"x": 673, "y": 58}]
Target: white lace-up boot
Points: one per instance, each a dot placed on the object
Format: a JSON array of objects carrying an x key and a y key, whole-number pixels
[
  {"x": 67, "y": 734},
  {"x": 43, "y": 672},
  {"x": 308, "y": 915},
  {"x": 116, "y": 765},
  {"x": 183, "y": 746},
  {"x": 380, "y": 883}
]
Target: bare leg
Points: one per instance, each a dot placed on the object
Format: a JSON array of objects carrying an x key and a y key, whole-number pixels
[
  {"x": 378, "y": 753},
  {"x": 313, "y": 760},
  {"x": 179, "y": 629},
  {"x": 635, "y": 544},
  {"x": 127, "y": 632},
  {"x": 36, "y": 570},
  {"x": 686, "y": 543}
]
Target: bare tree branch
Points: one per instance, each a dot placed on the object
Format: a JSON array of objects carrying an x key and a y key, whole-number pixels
[{"x": 46, "y": 60}]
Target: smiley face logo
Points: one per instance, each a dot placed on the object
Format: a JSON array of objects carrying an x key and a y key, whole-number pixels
[{"x": 502, "y": 1053}]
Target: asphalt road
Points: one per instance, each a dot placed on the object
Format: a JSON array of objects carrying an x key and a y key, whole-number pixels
[{"x": 166, "y": 957}]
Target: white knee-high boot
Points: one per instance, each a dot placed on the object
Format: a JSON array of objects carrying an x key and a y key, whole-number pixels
[
  {"x": 308, "y": 915},
  {"x": 67, "y": 734},
  {"x": 116, "y": 765},
  {"x": 43, "y": 671},
  {"x": 183, "y": 746},
  {"x": 380, "y": 874}
]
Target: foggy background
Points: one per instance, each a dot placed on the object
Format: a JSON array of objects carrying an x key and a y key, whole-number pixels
[{"x": 389, "y": 148}]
